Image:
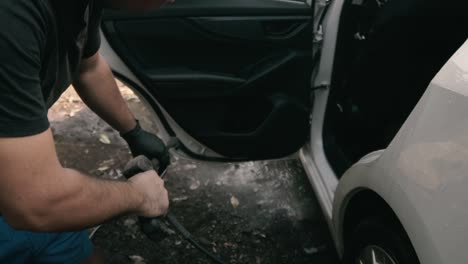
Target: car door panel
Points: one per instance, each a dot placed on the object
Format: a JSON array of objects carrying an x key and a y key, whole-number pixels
[{"x": 234, "y": 74}]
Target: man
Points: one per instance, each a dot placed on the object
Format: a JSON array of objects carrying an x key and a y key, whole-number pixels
[{"x": 45, "y": 45}]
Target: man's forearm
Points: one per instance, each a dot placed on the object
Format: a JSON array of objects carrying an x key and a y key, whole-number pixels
[
  {"x": 75, "y": 201},
  {"x": 97, "y": 87}
]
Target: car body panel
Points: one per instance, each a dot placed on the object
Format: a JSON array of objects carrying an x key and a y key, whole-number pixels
[{"x": 422, "y": 174}]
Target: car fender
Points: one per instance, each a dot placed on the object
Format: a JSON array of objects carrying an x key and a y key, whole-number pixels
[{"x": 423, "y": 174}]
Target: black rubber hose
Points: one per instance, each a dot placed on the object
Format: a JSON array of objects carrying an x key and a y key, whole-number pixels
[
  {"x": 156, "y": 225},
  {"x": 188, "y": 236}
]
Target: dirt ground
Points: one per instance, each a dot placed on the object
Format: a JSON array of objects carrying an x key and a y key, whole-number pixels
[{"x": 251, "y": 212}]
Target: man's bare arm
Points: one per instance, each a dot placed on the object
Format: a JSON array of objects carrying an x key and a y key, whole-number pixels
[
  {"x": 38, "y": 194},
  {"x": 97, "y": 87}
]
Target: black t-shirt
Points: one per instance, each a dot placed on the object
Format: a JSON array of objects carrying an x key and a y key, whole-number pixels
[{"x": 42, "y": 43}]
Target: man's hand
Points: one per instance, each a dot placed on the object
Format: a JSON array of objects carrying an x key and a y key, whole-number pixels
[
  {"x": 156, "y": 198},
  {"x": 149, "y": 145}
]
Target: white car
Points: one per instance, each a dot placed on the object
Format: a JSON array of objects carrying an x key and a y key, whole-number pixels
[{"x": 382, "y": 129}]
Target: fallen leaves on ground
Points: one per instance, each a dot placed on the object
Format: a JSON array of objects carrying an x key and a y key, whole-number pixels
[
  {"x": 103, "y": 168},
  {"x": 137, "y": 259},
  {"x": 130, "y": 222},
  {"x": 235, "y": 202},
  {"x": 195, "y": 185},
  {"x": 104, "y": 139},
  {"x": 314, "y": 250},
  {"x": 180, "y": 199}
]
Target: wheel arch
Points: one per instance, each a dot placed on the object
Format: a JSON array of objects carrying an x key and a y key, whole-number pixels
[
  {"x": 361, "y": 204},
  {"x": 366, "y": 204}
]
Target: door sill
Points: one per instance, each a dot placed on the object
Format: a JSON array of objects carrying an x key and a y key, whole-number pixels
[{"x": 324, "y": 185}]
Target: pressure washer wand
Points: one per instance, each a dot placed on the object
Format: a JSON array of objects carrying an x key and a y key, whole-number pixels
[{"x": 157, "y": 229}]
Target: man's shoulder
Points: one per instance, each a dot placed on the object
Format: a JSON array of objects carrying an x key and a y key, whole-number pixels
[{"x": 26, "y": 10}]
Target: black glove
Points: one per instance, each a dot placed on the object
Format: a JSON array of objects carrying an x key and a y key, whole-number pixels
[{"x": 144, "y": 143}]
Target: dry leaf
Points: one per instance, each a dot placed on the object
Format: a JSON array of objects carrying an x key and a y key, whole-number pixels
[
  {"x": 180, "y": 199},
  {"x": 107, "y": 162},
  {"x": 130, "y": 222},
  {"x": 227, "y": 244},
  {"x": 103, "y": 168},
  {"x": 195, "y": 185},
  {"x": 234, "y": 202},
  {"x": 137, "y": 259},
  {"x": 314, "y": 250},
  {"x": 104, "y": 139}
]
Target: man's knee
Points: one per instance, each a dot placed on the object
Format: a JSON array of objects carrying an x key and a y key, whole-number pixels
[{"x": 69, "y": 247}]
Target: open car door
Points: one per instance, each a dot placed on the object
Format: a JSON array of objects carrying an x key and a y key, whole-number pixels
[{"x": 232, "y": 74}]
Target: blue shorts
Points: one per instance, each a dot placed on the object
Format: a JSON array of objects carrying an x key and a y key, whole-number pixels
[{"x": 17, "y": 247}]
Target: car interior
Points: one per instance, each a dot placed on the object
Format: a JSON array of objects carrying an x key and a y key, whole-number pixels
[
  {"x": 234, "y": 74},
  {"x": 387, "y": 54}
]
